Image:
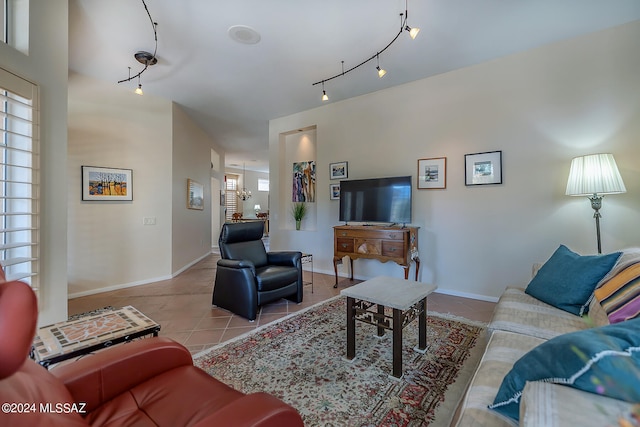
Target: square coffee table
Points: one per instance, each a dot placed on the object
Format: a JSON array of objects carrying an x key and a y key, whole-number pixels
[
  {"x": 69, "y": 339},
  {"x": 407, "y": 298}
]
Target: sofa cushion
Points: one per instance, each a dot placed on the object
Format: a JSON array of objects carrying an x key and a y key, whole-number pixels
[
  {"x": 552, "y": 405},
  {"x": 620, "y": 296},
  {"x": 567, "y": 280},
  {"x": 524, "y": 314},
  {"x": 603, "y": 360},
  {"x": 503, "y": 349}
]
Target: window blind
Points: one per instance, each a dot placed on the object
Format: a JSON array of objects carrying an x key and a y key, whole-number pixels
[{"x": 19, "y": 179}]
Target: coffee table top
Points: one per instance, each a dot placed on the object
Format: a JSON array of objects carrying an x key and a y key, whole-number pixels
[
  {"x": 87, "y": 331},
  {"x": 391, "y": 292}
]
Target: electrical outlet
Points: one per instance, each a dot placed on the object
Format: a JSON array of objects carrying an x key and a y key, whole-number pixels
[{"x": 149, "y": 220}]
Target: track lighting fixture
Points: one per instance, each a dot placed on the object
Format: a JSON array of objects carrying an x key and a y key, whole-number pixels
[
  {"x": 138, "y": 90},
  {"x": 381, "y": 71},
  {"x": 413, "y": 32},
  {"x": 404, "y": 26},
  {"x": 145, "y": 58}
]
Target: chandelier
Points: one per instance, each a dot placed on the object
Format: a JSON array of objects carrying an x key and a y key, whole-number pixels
[{"x": 243, "y": 194}]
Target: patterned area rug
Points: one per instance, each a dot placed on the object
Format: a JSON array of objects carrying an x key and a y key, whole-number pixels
[{"x": 301, "y": 360}]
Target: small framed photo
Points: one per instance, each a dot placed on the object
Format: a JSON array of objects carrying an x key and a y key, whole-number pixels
[
  {"x": 432, "y": 173},
  {"x": 335, "y": 191},
  {"x": 483, "y": 168},
  {"x": 338, "y": 170},
  {"x": 195, "y": 195},
  {"x": 106, "y": 184}
]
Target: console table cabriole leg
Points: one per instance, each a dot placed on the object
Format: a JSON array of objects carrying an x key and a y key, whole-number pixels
[
  {"x": 336, "y": 260},
  {"x": 422, "y": 325},
  {"x": 417, "y": 260},
  {"x": 351, "y": 328},
  {"x": 397, "y": 343}
]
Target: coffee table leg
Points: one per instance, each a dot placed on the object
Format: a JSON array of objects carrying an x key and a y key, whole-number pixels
[
  {"x": 380, "y": 319},
  {"x": 397, "y": 343},
  {"x": 422, "y": 325},
  {"x": 351, "y": 328}
]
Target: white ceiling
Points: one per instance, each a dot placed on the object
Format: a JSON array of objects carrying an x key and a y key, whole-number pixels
[{"x": 232, "y": 89}]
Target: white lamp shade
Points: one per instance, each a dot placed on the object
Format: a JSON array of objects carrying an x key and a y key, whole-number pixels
[
  {"x": 256, "y": 207},
  {"x": 594, "y": 174}
]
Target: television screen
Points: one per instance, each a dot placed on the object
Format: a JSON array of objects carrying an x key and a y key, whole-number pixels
[{"x": 376, "y": 200}]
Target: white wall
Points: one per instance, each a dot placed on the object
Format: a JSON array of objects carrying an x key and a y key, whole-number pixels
[
  {"x": 110, "y": 126},
  {"x": 191, "y": 229},
  {"x": 46, "y": 65},
  {"x": 109, "y": 246},
  {"x": 541, "y": 108}
]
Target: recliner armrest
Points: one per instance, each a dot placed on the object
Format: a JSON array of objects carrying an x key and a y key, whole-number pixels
[
  {"x": 99, "y": 377},
  {"x": 233, "y": 263},
  {"x": 289, "y": 258}
]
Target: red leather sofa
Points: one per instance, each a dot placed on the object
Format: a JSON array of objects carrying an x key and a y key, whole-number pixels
[{"x": 149, "y": 382}]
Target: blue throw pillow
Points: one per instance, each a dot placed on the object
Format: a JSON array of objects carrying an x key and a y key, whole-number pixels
[
  {"x": 603, "y": 360},
  {"x": 567, "y": 280}
]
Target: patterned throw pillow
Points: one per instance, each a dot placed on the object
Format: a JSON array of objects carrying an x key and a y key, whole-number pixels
[
  {"x": 603, "y": 360},
  {"x": 620, "y": 296}
]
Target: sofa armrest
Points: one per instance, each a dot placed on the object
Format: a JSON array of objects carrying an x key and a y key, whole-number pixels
[
  {"x": 288, "y": 258},
  {"x": 257, "y": 409},
  {"x": 99, "y": 377}
]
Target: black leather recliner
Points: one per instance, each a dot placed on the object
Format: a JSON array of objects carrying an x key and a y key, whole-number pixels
[{"x": 248, "y": 276}]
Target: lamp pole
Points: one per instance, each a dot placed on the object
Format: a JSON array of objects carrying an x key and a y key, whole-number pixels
[{"x": 596, "y": 204}]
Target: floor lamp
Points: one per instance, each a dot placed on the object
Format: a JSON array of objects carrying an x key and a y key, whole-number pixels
[{"x": 594, "y": 176}]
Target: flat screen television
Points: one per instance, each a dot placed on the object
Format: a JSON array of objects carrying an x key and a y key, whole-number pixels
[{"x": 376, "y": 200}]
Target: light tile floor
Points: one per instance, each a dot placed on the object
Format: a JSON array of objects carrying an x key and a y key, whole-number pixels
[{"x": 182, "y": 305}]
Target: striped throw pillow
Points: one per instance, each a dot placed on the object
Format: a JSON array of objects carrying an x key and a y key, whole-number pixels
[{"x": 620, "y": 296}]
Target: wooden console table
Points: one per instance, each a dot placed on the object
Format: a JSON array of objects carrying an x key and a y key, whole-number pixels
[{"x": 397, "y": 244}]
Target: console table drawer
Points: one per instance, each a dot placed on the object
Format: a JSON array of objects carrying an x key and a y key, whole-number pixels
[
  {"x": 344, "y": 244},
  {"x": 392, "y": 249},
  {"x": 368, "y": 246}
]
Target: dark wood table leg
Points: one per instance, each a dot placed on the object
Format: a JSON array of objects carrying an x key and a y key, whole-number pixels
[
  {"x": 422, "y": 326},
  {"x": 351, "y": 328},
  {"x": 335, "y": 269},
  {"x": 417, "y": 260},
  {"x": 397, "y": 343},
  {"x": 380, "y": 320},
  {"x": 351, "y": 267}
]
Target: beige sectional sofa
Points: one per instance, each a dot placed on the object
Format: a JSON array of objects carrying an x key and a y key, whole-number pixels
[{"x": 519, "y": 324}]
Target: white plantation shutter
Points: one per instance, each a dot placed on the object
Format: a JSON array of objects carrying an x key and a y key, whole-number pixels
[
  {"x": 19, "y": 179},
  {"x": 231, "y": 198}
]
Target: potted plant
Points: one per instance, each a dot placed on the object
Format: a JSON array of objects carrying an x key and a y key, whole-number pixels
[{"x": 298, "y": 211}]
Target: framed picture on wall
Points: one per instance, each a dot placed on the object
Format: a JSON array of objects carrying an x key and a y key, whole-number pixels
[
  {"x": 432, "y": 173},
  {"x": 483, "y": 168},
  {"x": 338, "y": 170},
  {"x": 335, "y": 191},
  {"x": 195, "y": 195},
  {"x": 106, "y": 184}
]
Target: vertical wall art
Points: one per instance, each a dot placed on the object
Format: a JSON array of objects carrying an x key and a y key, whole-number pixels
[
  {"x": 304, "y": 182},
  {"x": 195, "y": 195},
  {"x": 432, "y": 173}
]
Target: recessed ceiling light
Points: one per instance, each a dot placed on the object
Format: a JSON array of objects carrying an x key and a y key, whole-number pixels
[{"x": 243, "y": 34}]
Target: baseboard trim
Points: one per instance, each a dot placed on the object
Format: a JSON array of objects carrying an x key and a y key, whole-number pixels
[
  {"x": 136, "y": 283},
  {"x": 437, "y": 291}
]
